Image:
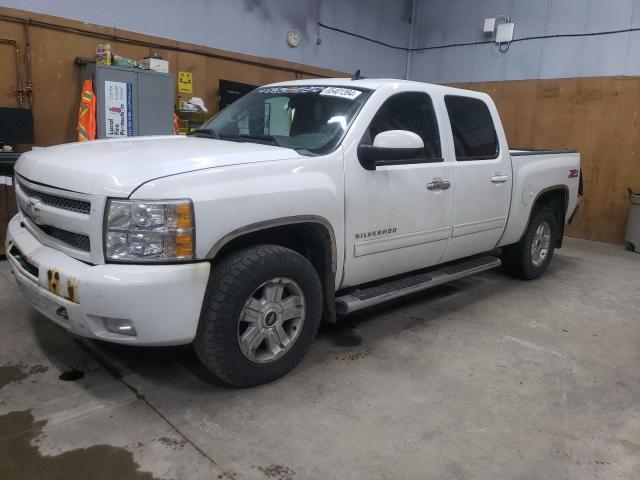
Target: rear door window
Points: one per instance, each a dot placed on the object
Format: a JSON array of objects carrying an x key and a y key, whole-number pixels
[{"x": 474, "y": 134}]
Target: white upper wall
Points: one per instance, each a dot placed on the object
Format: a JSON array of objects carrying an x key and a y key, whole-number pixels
[
  {"x": 443, "y": 22},
  {"x": 259, "y": 27}
]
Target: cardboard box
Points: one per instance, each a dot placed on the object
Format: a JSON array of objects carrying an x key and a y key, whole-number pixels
[{"x": 156, "y": 64}]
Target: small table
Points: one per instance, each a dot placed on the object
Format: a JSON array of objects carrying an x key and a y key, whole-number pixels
[{"x": 7, "y": 161}]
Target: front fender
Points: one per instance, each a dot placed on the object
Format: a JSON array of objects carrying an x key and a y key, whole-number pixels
[{"x": 232, "y": 199}]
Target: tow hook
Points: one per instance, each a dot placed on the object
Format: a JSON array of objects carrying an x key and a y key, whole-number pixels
[{"x": 62, "y": 312}]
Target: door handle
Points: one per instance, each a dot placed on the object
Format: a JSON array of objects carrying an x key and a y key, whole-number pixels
[
  {"x": 438, "y": 184},
  {"x": 498, "y": 178}
]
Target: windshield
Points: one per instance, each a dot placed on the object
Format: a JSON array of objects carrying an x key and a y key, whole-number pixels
[{"x": 309, "y": 119}]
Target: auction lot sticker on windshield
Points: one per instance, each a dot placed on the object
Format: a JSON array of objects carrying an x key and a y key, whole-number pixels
[{"x": 348, "y": 93}]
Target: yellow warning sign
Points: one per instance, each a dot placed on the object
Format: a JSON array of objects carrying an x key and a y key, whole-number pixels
[{"x": 185, "y": 82}]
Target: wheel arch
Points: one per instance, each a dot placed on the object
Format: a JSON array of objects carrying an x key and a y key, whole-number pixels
[
  {"x": 311, "y": 236},
  {"x": 558, "y": 196}
]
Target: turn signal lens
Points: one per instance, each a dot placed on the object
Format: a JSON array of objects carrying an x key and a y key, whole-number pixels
[
  {"x": 184, "y": 246},
  {"x": 149, "y": 230},
  {"x": 183, "y": 213}
]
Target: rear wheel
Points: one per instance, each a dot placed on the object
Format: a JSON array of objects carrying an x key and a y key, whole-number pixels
[
  {"x": 261, "y": 312},
  {"x": 530, "y": 258}
]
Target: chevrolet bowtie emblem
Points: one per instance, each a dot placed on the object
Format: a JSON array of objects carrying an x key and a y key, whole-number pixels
[{"x": 32, "y": 209}]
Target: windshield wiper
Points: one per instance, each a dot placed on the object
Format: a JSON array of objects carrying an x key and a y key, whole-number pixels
[
  {"x": 304, "y": 151},
  {"x": 205, "y": 132},
  {"x": 266, "y": 139}
]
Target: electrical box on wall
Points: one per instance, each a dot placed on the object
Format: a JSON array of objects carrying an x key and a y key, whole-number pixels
[
  {"x": 489, "y": 25},
  {"x": 504, "y": 33}
]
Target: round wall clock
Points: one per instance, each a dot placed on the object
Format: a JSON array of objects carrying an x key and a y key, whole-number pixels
[{"x": 293, "y": 38}]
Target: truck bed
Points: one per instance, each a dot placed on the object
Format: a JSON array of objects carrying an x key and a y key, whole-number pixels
[
  {"x": 517, "y": 152},
  {"x": 534, "y": 172}
]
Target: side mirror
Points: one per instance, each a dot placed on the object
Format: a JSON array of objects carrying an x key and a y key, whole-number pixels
[{"x": 393, "y": 147}]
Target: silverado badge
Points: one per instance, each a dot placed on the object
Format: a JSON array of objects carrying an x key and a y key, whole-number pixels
[{"x": 376, "y": 233}]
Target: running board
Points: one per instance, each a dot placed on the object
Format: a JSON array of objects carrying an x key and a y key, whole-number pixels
[{"x": 371, "y": 296}]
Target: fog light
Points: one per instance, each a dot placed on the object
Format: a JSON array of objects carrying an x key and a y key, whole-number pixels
[{"x": 120, "y": 326}]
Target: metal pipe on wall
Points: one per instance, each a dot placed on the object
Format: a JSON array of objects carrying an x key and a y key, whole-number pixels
[
  {"x": 27, "y": 50},
  {"x": 19, "y": 86},
  {"x": 413, "y": 20}
]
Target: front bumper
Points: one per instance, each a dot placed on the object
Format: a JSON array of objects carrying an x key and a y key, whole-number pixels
[{"x": 162, "y": 302}]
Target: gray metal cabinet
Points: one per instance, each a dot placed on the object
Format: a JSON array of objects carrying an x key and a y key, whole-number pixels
[
  {"x": 152, "y": 120},
  {"x": 131, "y": 102}
]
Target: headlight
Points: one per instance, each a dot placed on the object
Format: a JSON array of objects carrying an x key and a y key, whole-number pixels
[{"x": 149, "y": 230}]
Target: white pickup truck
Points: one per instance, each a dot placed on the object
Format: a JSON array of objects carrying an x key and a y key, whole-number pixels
[{"x": 300, "y": 201}]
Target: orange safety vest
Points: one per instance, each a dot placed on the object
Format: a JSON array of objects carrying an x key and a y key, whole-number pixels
[
  {"x": 176, "y": 124},
  {"x": 87, "y": 114}
]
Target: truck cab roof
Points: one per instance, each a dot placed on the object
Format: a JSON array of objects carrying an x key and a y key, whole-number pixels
[{"x": 375, "y": 84}]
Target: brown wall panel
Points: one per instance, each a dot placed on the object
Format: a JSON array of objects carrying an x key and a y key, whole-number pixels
[
  {"x": 597, "y": 116},
  {"x": 8, "y": 81}
]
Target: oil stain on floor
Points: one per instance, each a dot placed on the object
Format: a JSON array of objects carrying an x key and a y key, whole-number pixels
[
  {"x": 20, "y": 460},
  {"x": 72, "y": 375},
  {"x": 16, "y": 372}
]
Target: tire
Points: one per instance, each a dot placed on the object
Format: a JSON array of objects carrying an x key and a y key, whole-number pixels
[
  {"x": 241, "y": 306},
  {"x": 522, "y": 259}
]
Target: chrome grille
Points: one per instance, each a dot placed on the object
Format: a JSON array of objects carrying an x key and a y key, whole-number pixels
[
  {"x": 62, "y": 219},
  {"x": 63, "y": 203},
  {"x": 74, "y": 240}
]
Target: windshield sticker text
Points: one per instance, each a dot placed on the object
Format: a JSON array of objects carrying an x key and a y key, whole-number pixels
[
  {"x": 347, "y": 93},
  {"x": 289, "y": 90}
]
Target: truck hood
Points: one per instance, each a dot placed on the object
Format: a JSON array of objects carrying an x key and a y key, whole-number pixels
[{"x": 115, "y": 168}]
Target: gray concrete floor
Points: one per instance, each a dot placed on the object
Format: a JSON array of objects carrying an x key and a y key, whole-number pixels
[{"x": 486, "y": 378}]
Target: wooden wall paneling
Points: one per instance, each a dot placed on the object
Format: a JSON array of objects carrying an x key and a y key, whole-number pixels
[
  {"x": 12, "y": 205},
  {"x": 11, "y": 31},
  {"x": 600, "y": 117},
  {"x": 204, "y": 85},
  {"x": 56, "y": 82},
  {"x": 217, "y": 70}
]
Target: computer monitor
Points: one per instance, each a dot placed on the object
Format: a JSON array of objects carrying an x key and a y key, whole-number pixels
[{"x": 16, "y": 125}]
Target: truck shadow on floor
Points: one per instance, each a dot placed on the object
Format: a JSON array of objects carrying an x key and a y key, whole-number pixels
[
  {"x": 358, "y": 331},
  {"x": 426, "y": 310},
  {"x": 344, "y": 337}
]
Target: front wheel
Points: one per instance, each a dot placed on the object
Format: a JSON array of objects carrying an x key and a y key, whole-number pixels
[
  {"x": 530, "y": 258},
  {"x": 261, "y": 311}
]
